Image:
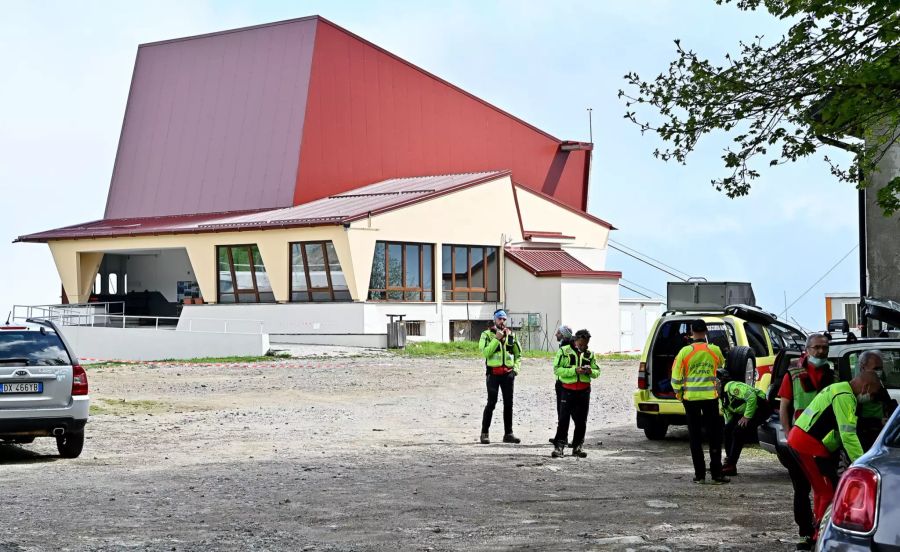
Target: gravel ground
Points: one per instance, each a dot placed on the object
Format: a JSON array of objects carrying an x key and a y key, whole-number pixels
[{"x": 370, "y": 453}]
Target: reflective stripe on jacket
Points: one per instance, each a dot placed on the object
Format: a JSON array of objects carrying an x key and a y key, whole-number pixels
[
  {"x": 831, "y": 419},
  {"x": 499, "y": 353},
  {"x": 694, "y": 371},
  {"x": 568, "y": 359},
  {"x": 740, "y": 399}
]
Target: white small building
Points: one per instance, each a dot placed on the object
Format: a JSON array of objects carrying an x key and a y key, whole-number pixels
[{"x": 636, "y": 319}]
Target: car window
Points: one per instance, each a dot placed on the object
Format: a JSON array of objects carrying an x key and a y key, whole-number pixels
[
  {"x": 891, "y": 366},
  {"x": 776, "y": 338},
  {"x": 32, "y": 348},
  {"x": 721, "y": 335},
  {"x": 756, "y": 339}
]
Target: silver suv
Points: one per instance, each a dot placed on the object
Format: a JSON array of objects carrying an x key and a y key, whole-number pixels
[{"x": 43, "y": 388}]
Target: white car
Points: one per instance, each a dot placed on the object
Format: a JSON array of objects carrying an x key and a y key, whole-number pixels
[{"x": 43, "y": 388}]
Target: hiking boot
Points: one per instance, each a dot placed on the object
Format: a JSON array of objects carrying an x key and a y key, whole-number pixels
[
  {"x": 578, "y": 451},
  {"x": 558, "y": 451},
  {"x": 510, "y": 438},
  {"x": 485, "y": 439},
  {"x": 729, "y": 469},
  {"x": 808, "y": 543},
  {"x": 720, "y": 480}
]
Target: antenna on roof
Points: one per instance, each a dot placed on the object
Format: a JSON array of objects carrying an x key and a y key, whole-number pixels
[
  {"x": 8, "y": 318},
  {"x": 590, "y": 111}
]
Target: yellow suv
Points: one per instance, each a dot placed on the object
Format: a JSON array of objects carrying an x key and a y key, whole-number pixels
[{"x": 749, "y": 338}]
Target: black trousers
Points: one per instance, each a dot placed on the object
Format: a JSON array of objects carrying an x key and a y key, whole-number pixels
[
  {"x": 559, "y": 389},
  {"x": 497, "y": 384},
  {"x": 803, "y": 514},
  {"x": 575, "y": 405},
  {"x": 705, "y": 415},
  {"x": 736, "y": 436},
  {"x": 868, "y": 429}
]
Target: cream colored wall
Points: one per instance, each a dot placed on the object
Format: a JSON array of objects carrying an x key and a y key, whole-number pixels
[
  {"x": 538, "y": 214},
  {"x": 481, "y": 215},
  {"x": 77, "y": 260}
]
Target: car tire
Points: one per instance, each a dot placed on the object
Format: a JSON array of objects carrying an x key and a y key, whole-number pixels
[
  {"x": 656, "y": 430},
  {"x": 741, "y": 364},
  {"x": 70, "y": 444}
]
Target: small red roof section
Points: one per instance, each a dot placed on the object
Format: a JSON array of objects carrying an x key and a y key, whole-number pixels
[
  {"x": 555, "y": 263},
  {"x": 530, "y": 234},
  {"x": 335, "y": 210}
]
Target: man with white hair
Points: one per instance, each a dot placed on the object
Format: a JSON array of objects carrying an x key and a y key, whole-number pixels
[
  {"x": 502, "y": 359},
  {"x": 874, "y": 413}
]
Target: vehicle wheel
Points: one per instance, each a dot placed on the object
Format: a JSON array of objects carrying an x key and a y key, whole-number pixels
[
  {"x": 70, "y": 445},
  {"x": 656, "y": 431},
  {"x": 23, "y": 440},
  {"x": 741, "y": 365}
]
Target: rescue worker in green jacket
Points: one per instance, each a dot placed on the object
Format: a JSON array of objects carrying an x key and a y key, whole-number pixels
[
  {"x": 873, "y": 415},
  {"x": 503, "y": 357},
  {"x": 806, "y": 377},
  {"x": 745, "y": 408},
  {"x": 575, "y": 366},
  {"x": 827, "y": 425},
  {"x": 694, "y": 383}
]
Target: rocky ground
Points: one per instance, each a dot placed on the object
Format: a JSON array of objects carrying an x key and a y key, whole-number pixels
[{"x": 369, "y": 453}]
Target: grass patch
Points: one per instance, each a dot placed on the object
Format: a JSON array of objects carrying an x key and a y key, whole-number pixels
[
  {"x": 203, "y": 360},
  {"x": 469, "y": 349},
  {"x": 123, "y": 407}
]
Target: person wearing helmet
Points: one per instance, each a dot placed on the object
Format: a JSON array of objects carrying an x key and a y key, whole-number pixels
[
  {"x": 502, "y": 360},
  {"x": 563, "y": 337},
  {"x": 575, "y": 366},
  {"x": 744, "y": 408}
]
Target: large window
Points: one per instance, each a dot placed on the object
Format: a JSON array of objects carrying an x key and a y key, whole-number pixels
[
  {"x": 402, "y": 272},
  {"x": 471, "y": 273},
  {"x": 242, "y": 276},
  {"x": 316, "y": 273}
]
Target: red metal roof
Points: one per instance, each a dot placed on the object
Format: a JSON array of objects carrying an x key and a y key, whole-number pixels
[
  {"x": 339, "y": 209},
  {"x": 279, "y": 115},
  {"x": 555, "y": 263}
]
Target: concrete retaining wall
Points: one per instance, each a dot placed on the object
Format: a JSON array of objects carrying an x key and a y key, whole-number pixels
[{"x": 141, "y": 344}]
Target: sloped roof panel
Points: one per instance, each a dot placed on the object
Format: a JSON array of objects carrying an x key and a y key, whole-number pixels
[{"x": 554, "y": 262}]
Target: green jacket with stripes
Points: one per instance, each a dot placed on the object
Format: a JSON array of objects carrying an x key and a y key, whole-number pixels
[
  {"x": 740, "y": 399},
  {"x": 831, "y": 418}
]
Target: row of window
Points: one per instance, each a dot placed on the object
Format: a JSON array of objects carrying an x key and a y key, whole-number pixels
[{"x": 400, "y": 272}]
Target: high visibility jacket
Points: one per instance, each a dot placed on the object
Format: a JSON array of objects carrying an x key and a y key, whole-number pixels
[
  {"x": 500, "y": 356},
  {"x": 831, "y": 419},
  {"x": 567, "y": 360},
  {"x": 565, "y": 342},
  {"x": 694, "y": 371},
  {"x": 740, "y": 399},
  {"x": 803, "y": 387}
]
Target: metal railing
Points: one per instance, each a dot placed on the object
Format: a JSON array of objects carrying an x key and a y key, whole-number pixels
[{"x": 112, "y": 315}]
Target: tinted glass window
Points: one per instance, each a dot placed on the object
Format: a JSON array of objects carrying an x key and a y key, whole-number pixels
[
  {"x": 32, "y": 349},
  {"x": 891, "y": 358},
  {"x": 776, "y": 339},
  {"x": 756, "y": 339}
]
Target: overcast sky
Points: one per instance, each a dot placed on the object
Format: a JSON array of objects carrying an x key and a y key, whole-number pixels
[{"x": 67, "y": 67}]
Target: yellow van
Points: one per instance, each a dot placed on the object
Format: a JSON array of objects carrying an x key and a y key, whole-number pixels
[{"x": 749, "y": 338}]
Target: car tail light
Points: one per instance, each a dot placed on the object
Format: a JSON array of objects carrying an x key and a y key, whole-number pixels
[
  {"x": 642, "y": 375},
  {"x": 856, "y": 500},
  {"x": 79, "y": 380}
]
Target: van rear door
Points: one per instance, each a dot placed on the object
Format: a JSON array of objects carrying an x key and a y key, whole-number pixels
[{"x": 35, "y": 370}]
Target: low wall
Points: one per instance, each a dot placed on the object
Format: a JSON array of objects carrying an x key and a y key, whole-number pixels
[
  {"x": 147, "y": 344},
  {"x": 375, "y": 341}
]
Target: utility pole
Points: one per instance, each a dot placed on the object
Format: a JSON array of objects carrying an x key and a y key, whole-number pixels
[
  {"x": 590, "y": 124},
  {"x": 863, "y": 291}
]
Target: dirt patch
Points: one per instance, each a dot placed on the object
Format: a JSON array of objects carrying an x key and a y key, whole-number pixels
[{"x": 375, "y": 453}]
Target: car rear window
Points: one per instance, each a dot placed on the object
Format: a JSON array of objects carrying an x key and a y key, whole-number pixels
[
  {"x": 891, "y": 359},
  {"x": 32, "y": 349}
]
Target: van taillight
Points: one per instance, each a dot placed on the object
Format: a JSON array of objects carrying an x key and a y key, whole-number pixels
[
  {"x": 642, "y": 375},
  {"x": 855, "y": 500},
  {"x": 79, "y": 380}
]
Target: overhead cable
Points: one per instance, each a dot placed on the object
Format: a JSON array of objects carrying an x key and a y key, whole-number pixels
[
  {"x": 635, "y": 291},
  {"x": 637, "y": 285},
  {"x": 657, "y": 261},
  {"x": 810, "y": 288},
  {"x": 649, "y": 263}
]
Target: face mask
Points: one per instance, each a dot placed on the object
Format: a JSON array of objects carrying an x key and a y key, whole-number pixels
[
  {"x": 817, "y": 362},
  {"x": 864, "y": 398}
]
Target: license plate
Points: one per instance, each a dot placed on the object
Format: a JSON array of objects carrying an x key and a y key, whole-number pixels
[{"x": 22, "y": 388}]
